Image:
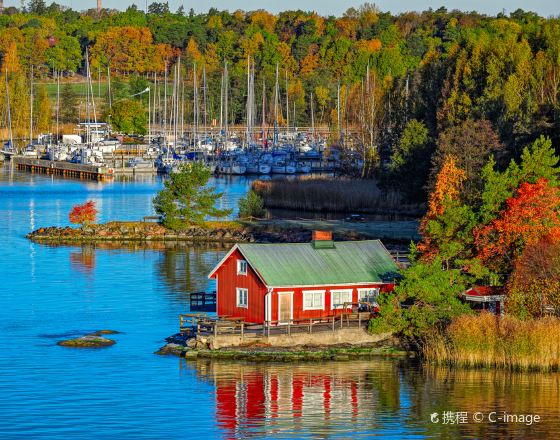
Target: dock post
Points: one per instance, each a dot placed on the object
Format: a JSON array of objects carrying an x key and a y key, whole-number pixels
[
  {"x": 333, "y": 323},
  {"x": 216, "y": 329},
  {"x": 242, "y": 325},
  {"x": 310, "y": 326}
]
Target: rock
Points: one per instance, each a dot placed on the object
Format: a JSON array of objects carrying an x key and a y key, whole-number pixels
[
  {"x": 88, "y": 341},
  {"x": 191, "y": 343},
  {"x": 104, "y": 332},
  {"x": 171, "y": 348},
  {"x": 190, "y": 354}
]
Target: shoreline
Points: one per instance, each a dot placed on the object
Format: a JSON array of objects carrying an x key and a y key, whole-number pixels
[{"x": 227, "y": 232}]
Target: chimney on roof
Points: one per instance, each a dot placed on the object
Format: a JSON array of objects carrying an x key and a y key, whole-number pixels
[
  {"x": 99, "y": 6},
  {"x": 322, "y": 240}
]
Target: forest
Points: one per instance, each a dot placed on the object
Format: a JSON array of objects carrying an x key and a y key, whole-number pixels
[{"x": 413, "y": 88}]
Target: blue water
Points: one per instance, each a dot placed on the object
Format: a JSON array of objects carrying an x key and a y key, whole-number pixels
[{"x": 125, "y": 391}]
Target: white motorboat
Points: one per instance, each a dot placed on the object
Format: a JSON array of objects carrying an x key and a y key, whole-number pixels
[
  {"x": 232, "y": 169},
  {"x": 258, "y": 168},
  {"x": 283, "y": 168}
]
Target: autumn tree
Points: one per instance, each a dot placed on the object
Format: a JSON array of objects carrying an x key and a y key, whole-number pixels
[
  {"x": 83, "y": 215},
  {"x": 471, "y": 143},
  {"x": 534, "y": 286},
  {"x": 532, "y": 214},
  {"x": 446, "y": 216}
]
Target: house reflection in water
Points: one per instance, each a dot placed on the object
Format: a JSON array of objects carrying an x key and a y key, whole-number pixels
[{"x": 299, "y": 400}]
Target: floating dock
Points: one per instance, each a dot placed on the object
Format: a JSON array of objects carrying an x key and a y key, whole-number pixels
[{"x": 62, "y": 168}]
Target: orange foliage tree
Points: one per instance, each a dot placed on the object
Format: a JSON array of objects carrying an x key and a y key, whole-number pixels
[
  {"x": 531, "y": 215},
  {"x": 83, "y": 214},
  {"x": 534, "y": 285},
  {"x": 447, "y": 189}
]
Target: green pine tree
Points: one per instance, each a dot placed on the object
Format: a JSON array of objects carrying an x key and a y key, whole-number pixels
[{"x": 187, "y": 199}]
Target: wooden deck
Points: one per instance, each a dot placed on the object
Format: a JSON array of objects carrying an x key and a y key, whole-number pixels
[{"x": 202, "y": 324}]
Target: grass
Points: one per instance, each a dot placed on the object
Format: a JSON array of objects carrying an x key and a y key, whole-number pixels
[
  {"x": 485, "y": 340},
  {"x": 323, "y": 194}
]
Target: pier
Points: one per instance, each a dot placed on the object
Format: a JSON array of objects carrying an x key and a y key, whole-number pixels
[{"x": 62, "y": 168}]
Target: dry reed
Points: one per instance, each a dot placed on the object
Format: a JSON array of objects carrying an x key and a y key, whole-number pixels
[
  {"x": 486, "y": 340},
  {"x": 323, "y": 194}
]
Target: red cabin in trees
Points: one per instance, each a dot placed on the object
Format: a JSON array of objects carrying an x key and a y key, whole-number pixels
[{"x": 277, "y": 283}]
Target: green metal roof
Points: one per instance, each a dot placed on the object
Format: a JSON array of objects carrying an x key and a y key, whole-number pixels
[{"x": 302, "y": 264}]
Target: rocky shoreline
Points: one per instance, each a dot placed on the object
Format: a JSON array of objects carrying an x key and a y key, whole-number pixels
[
  {"x": 213, "y": 232},
  {"x": 195, "y": 348}
]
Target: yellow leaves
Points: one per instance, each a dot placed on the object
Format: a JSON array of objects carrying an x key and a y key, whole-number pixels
[
  {"x": 193, "y": 52},
  {"x": 370, "y": 46},
  {"x": 288, "y": 61},
  {"x": 10, "y": 59},
  {"x": 251, "y": 45},
  {"x": 347, "y": 27},
  {"x": 310, "y": 62},
  {"x": 264, "y": 19},
  {"x": 448, "y": 185},
  {"x": 215, "y": 22}
]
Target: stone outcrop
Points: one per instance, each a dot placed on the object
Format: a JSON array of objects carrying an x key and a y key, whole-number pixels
[
  {"x": 218, "y": 232},
  {"x": 91, "y": 340}
]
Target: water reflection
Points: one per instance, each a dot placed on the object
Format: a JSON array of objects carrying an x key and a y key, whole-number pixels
[
  {"x": 380, "y": 397},
  {"x": 83, "y": 260},
  {"x": 185, "y": 268},
  {"x": 301, "y": 399}
]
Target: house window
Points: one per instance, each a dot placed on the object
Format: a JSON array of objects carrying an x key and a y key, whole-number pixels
[
  {"x": 368, "y": 295},
  {"x": 339, "y": 297},
  {"x": 241, "y": 267},
  {"x": 314, "y": 300},
  {"x": 242, "y": 297}
]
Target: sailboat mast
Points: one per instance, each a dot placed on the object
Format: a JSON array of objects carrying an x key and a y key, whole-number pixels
[
  {"x": 312, "y": 120},
  {"x": 205, "y": 108},
  {"x": 276, "y": 91},
  {"x": 10, "y": 134},
  {"x": 31, "y": 106},
  {"x": 287, "y": 107},
  {"x": 226, "y": 92},
  {"x": 248, "y": 102},
  {"x": 263, "y": 114},
  {"x": 57, "y": 104}
]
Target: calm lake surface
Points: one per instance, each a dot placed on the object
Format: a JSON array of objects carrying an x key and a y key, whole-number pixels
[{"x": 125, "y": 391}]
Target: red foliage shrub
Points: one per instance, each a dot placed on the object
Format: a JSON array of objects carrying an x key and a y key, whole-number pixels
[{"x": 83, "y": 214}]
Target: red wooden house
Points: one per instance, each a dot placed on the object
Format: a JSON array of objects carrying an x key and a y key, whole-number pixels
[{"x": 280, "y": 282}]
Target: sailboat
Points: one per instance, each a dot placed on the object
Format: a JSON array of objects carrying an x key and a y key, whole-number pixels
[{"x": 8, "y": 148}]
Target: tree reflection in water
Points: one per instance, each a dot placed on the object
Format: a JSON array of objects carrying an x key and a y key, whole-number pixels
[
  {"x": 184, "y": 268},
  {"x": 83, "y": 260}
]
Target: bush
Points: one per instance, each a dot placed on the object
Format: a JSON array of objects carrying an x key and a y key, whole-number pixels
[{"x": 251, "y": 205}]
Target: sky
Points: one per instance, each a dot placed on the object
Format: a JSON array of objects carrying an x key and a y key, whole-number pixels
[{"x": 329, "y": 7}]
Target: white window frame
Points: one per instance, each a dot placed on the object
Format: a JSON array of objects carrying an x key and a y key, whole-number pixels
[
  {"x": 361, "y": 291},
  {"x": 340, "y": 304},
  {"x": 314, "y": 306},
  {"x": 239, "y": 297},
  {"x": 240, "y": 270}
]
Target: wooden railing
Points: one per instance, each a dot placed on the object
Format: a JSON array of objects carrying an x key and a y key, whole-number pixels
[{"x": 200, "y": 323}]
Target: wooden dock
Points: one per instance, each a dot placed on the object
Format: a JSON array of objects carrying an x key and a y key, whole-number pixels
[{"x": 62, "y": 168}]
